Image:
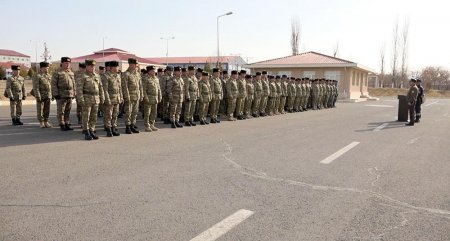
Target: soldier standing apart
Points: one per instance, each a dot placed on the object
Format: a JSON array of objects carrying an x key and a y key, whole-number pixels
[
  {"x": 232, "y": 93},
  {"x": 256, "y": 105},
  {"x": 175, "y": 92},
  {"x": 152, "y": 96},
  {"x": 112, "y": 88},
  {"x": 272, "y": 97},
  {"x": 191, "y": 93},
  {"x": 411, "y": 97},
  {"x": 420, "y": 99},
  {"x": 78, "y": 74},
  {"x": 42, "y": 88},
  {"x": 250, "y": 97},
  {"x": 132, "y": 95},
  {"x": 63, "y": 90},
  {"x": 205, "y": 98},
  {"x": 265, "y": 94},
  {"x": 242, "y": 94},
  {"x": 291, "y": 93},
  {"x": 15, "y": 90},
  {"x": 90, "y": 95},
  {"x": 217, "y": 95}
]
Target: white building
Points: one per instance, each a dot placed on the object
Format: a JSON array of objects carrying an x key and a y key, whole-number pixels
[{"x": 8, "y": 57}]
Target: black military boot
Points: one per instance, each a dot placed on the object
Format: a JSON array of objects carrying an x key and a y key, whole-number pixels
[
  {"x": 187, "y": 123},
  {"x": 14, "y": 121},
  {"x": 79, "y": 119},
  {"x": 109, "y": 132},
  {"x": 192, "y": 123},
  {"x": 128, "y": 130},
  {"x": 115, "y": 132},
  {"x": 93, "y": 135},
  {"x": 202, "y": 122},
  {"x": 167, "y": 121},
  {"x": 133, "y": 129},
  {"x": 206, "y": 122},
  {"x": 217, "y": 120},
  {"x": 63, "y": 127},
  {"x": 68, "y": 127},
  {"x": 178, "y": 124},
  {"x": 213, "y": 120},
  {"x": 18, "y": 122},
  {"x": 173, "y": 125},
  {"x": 87, "y": 135}
]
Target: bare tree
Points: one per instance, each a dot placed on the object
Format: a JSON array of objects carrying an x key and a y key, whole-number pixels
[
  {"x": 295, "y": 35},
  {"x": 382, "y": 63},
  {"x": 404, "y": 51},
  {"x": 336, "y": 49},
  {"x": 395, "y": 54}
]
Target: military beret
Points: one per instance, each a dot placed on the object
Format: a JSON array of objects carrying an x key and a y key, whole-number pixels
[
  {"x": 150, "y": 67},
  {"x": 65, "y": 59},
  {"x": 413, "y": 80},
  {"x": 200, "y": 70},
  {"x": 271, "y": 77},
  {"x": 90, "y": 62},
  {"x": 183, "y": 69},
  {"x": 243, "y": 71},
  {"x": 132, "y": 61},
  {"x": 306, "y": 78},
  {"x": 15, "y": 67},
  {"x": 101, "y": 68},
  {"x": 177, "y": 68},
  {"x": 43, "y": 64},
  {"x": 169, "y": 68},
  {"x": 298, "y": 79},
  {"x": 107, "y": 64},
  {"x": 205, "y": 74},
  {"x": 234, "y": 72},
  {"x": 418, "y": 80},
  {"x": 277, "y": 77},
  {"x": 248, "y": 76},
  {"x": 143, "y": 71},
  {"x": 258, "y": 73},
  {"x": 292, "y": 78},
  {"x": 190, "y": 67},
  {"x": 215, "y": 70},
  {"x": 160, "y": 70},
  {"x": 284, "y": 76},
  {"x": 225, "y": 72},
  {"x": 81, "y": 65},
  {"x": 113, "y": 64},
  {"x": 264, "y": 72}
]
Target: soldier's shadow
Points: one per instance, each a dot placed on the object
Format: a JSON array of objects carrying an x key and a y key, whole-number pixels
[{"x": 389, "y": 125}]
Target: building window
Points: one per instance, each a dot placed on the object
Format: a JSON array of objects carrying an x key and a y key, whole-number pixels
[
  {"x": 353, "y": 78},
  {"x": 309, "y": 74},
  {"x": 288, "y": 73},
  {"x": 333, "y": 75}
]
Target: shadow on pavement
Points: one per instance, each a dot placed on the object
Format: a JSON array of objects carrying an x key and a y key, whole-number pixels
[{"x": 390, "y": 125}]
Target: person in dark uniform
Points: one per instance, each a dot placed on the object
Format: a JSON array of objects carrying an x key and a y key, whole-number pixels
[
  {"x": 412, "y": 99},
  {"x": 420, "y": 100}
]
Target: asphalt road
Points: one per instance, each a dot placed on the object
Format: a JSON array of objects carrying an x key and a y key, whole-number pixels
[{"x": 259, "y": 179}]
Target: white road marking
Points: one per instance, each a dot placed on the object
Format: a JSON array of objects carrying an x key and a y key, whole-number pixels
[
  {"x": 432, "y": 103},
  {"x": 339, "y": 153},
  {"x": 386, "y": 106},
  {"x": 224, "y": 226},
  {"x": 412, "y": 141},
  {"x": 380, "y": 127},
  {"x": 19, "y": 133}
]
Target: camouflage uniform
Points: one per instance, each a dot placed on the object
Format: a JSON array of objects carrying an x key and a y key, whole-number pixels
[
  {"x": 315, "y": 94},
  {"x": 265, "y": 96},
  {"x": 15, "y": 90},
  {"x": 191, "y": 93},
  {"x": 249, "y": 99},
  {"x": 63, "y": 90},
  {"x": 223, "y": 103},
  {"x": 217, "y": 96},
  {"x": 164, "y": 104},
  {"x": 272, "y": 102},
  {"x": 204, "y": 98},
  {"x": 277, "y": 106},
  {"x": 152, "y": 96},
  {"x": 307, "y": 96},
  {"x": 256, "y": 106},
  {"x": 175, "y": 92},
  {"x": 78, "y": 74},
  {"x": 112, "y": 88},
  {"x": 242, "y": 94},
  {"x": 299, "y": 93},
  {"x": 90, "y": 96},
  {"x": 132, "y": 94},
  {"x": 284, "y": 87},
  {"x": 291, "y": 93},
  {"x": 232, "y": 93},
  {"x": 42, "y": 89}
]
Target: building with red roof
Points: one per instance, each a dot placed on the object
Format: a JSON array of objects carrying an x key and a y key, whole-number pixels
[
  {"x": 11, "y": 57},
  {"x": 227, "y": 62},
  {"x": 352, "y": 77}
]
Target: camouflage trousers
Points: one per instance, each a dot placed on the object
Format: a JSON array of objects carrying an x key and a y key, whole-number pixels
[
  {"x": 282, "y": 104},
  {"x": 43, "y": 110},
  {"x": 89, "y": 116},
  {"x": 231, "y": 107},
  {"x": 163, "y": 108},
  {"x": 203, "y": 109},
  {"x": 248, "y": 106},
  {"x": 298, "y": 103},
  {"x": 263, "y": 104},
  {"x": 305, "y": 100},
  {"x": 240, "y": 102},
  {"x": 150, "y": 111},
  {"x": 16, "y": 108},
  {"x": 63, "y": 107},
  {"x": 214, "y": 106},
  {"x": 175, "y": 110},
  {"x": 290, "y": 102},
  {"x": 131, "y": 111},
  {"x": 223, "y": 106},
  {"x": 189, "y": 109},
  {"x": 79, "y": 109},
  {"x": 110, "y": 115},
  {"x": 256, "y": 105},
  {"x": 276, "y": 106},
  {"x": 271, "y": 105}
]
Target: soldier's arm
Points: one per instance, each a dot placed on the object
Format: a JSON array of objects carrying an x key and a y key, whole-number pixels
[
  {"x": 105, "y": 85},
  {"x": 54, "y": 85},
  {"x": 169, "y": 89},
  {"x": 159, "y": 92},
  {"x": 141, "y": 89},
  {"x": 126, "y": 94},
  {"x": 186, "y": 90},
  {"x": 8, "y": 88},
  {"x": 36, "y": 92},
  {"x": 24, "y": 94},
  {"x": 101, "y": 92},
  {"x": 144, "y": 89},
  {"x": 120, "y": 90},
  {"x": 80, "y": 85}
]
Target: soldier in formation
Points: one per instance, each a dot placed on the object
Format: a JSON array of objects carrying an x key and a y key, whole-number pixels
[
  {"x": 132, "y": 95},
  {"x": 63, "y": 91},
  {"x": 15, "y": 91},
  {"x": 42, "y": 91},
  {"x": 152, "y": 96},
  {"x": 112, "y": 88}
]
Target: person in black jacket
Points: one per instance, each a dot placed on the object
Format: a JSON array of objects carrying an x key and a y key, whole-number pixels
[{"x": 420, "y": 99}]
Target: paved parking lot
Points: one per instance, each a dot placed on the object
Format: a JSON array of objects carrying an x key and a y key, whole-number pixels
[{"x": 349, "y": 173}]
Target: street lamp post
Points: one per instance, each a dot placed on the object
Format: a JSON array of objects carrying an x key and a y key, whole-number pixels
[
  {"x": 36, "y": 49},
  {"x": 103, "y": 51},
  {"x": 167, "y": 48},
  {"x": 218, "y": 53}
]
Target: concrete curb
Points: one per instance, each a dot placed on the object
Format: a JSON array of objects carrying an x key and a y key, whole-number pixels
[{"x": 24, "y": 102}]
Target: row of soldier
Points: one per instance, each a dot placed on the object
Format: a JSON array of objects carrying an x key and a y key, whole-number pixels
[{"x": 173, "y": 93}]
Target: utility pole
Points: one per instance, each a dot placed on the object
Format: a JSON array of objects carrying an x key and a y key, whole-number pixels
[{"x": 218, "y": 52}]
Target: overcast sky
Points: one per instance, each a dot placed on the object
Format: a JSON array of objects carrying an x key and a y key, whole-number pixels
[{"x": 258, "y": 30}]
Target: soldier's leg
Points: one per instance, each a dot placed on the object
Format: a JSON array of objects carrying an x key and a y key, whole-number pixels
[
  {"x": 166, "y": 106},
  {"x": 79, "y": 111},
  {"x": 418, "y": 112},
  {"x": 152, "y": 116},
  {"x": 172, "y": 114},
  {"x": 107, "y": 115},
  {"x": 85, "y": 115},
  {"x": 39, "y": 112},
  {"x": 115, "y": 112},
  {"x": 187, "y": 110},
  {"x": 231, "y": 107},
  {"x": 178, "y": 111},
  {"x": 46, "y": 110},
  {"x": 67, "y": 108},
  {"x": 93, "y": 117},
  {"x": 147, "y": 116},
  {"x": 127, "y": 108},
  {"x": 59, "y": 112},
  {"x": 12, "y": 108},
  {"x": 135, "y": 110},
  {"x": 192, "y": 110}
]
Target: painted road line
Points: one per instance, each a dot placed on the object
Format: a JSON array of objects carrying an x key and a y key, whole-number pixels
[
  {"x": 19, "y": 133},
  {"x": 380, "y": 127},
  {"x": 432, "y": 103},
  {"x": 339, "y": 153},
  {"x": 386, "y": 106},
  {"x": 224, "y": 226}
]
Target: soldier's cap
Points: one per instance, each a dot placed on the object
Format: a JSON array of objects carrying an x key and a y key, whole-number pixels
[
  {"x": 248, "y": 76},
  {"x": 413, "y": 80},
  {"x": 107, "y": 64},
  {"x": 292, "y": 78},
  {"x": 258, "y": 73},
  {"x": 150, "y": 67},
  {"x": 43, "y": 64},
  {"x": 143, "y": 71},
  {"x": 169, "y": 68},
  {"x": 298, "y": 79},
  {"x": 205, "y": 74},
  {"x": 418, "y": 80},
  {"x": 81, "y": 65},
  {"x": 243, "y": 71},
  {"x": 177, "y": 68},
  {"x": 216, "y": 70},
  {"x": 284, "y": 76},
  {"x": 90, "y": 62},
  {"x": 225, "y": 72},
  {"x": 101, "y": 68},
  {"x": 190, "y": 67},
  {"x": 277, "y": 77},
  {"x": 65, "y": 59},
  {"x": 183, "y": 69},
  {"x": 132, "y": 61},
  {"x": 114, "y": 64},
  {"x": 160, "y": 70},
  {"x": 306, "y": 78},
  {"x": 199, "y": 70},
  {"x": 15, "y": 67},
  {"x": 234, "y": 72},
  {"x": 264, "y": 72}
]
